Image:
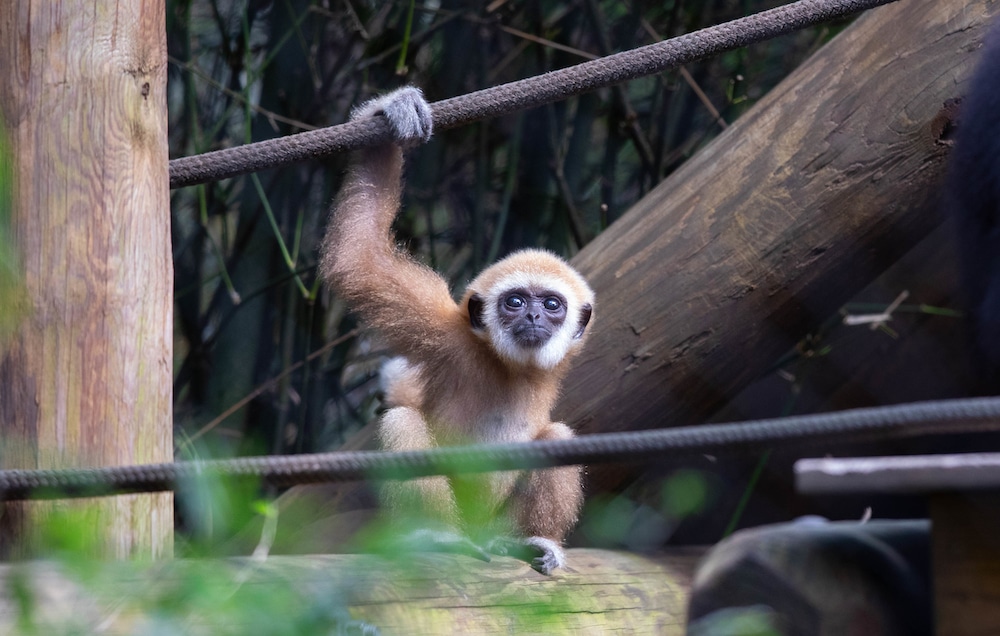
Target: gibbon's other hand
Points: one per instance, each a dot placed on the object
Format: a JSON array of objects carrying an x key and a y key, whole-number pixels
[{"x": 408, "y": 113}]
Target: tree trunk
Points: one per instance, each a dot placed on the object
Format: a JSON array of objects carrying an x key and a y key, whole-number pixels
[
  {"x": 763, "y": 234},
  {"x": 86, "y": 378}
]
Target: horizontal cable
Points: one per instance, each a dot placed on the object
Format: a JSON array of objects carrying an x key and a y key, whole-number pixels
[
  {"x": 868, "y": 424},
  {"x": 521, "y": 94}
]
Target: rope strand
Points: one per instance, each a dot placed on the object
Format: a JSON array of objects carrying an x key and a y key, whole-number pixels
[
  {"x": 877, "y": 423},
  {"x": 519, "y": 95}
]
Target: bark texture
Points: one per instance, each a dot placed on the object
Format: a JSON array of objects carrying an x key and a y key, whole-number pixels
[{"x": 86, "y": 380}]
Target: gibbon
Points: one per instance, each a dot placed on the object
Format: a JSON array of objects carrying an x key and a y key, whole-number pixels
[{"x": 485, "y": 370}]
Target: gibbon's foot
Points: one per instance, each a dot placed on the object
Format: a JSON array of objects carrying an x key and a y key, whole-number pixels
[
  {"x": 408, "y": 113},
  {"x": 544, "y": 555},
  {"x": 438, "y": 540}
]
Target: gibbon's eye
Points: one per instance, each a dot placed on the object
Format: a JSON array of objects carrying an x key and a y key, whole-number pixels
[
  {"x": 514, "y": 302},
  {"x": 552, "y": 303}
]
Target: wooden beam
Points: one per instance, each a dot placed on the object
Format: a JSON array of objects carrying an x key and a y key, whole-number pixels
[
  {"x": 903, "y": 475},
  {"x": 86, "y": 378}
]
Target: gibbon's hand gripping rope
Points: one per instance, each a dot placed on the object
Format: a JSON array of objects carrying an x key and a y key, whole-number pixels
[
  {"x": 881, "y": 423},
  {"x": 519, "y": 95}
]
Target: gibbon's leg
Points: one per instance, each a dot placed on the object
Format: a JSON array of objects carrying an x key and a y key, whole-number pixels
[
  {"x": 403, "y": 429},
  {"x": 427, "y": 503},
  {"x": 544, "y": 506}
]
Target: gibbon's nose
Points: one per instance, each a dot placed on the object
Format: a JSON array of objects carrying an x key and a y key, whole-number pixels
[{"x": 533, "y": 313}]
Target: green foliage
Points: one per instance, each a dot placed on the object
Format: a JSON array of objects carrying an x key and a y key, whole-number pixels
[
  {"x": 640, "y": 521},
  {"x": 684, "y": 493},
  {"x": 72, "y": 593}
]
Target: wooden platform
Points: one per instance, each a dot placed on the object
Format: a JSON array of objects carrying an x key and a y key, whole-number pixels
[{"x": 601, "y": 591}]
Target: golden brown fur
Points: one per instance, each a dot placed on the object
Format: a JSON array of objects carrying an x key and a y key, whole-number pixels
[{"x": 455, "y": 383}]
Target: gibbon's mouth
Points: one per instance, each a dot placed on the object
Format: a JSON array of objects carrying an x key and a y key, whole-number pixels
[{"x": 532, "y": 336}]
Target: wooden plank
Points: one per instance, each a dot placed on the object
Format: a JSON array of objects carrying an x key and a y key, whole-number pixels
[{"x": 914, "y": 474}]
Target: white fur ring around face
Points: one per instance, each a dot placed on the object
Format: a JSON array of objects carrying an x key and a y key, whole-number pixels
[{"x": 407, "y": 112}]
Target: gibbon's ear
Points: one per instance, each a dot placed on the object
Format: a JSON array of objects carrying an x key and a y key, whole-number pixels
[
  {"x": 585, "y": 312},
  {"x": 476, "y": 312}
]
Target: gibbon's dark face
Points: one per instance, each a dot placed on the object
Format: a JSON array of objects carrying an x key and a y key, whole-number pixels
[
  {"x": 531, "y": 307},
  {"x": 531, "y": 316}
]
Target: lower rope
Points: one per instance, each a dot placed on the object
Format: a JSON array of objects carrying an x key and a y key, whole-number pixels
[{"x": 868, "y": 424}]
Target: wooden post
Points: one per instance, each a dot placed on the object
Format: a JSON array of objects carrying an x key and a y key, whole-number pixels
[
  {"x": 86, "y": 380},
  {"x": 965, "y": 556}
]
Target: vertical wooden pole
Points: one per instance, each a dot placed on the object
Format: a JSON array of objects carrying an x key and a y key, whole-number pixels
[
  {"x": 965, "y": 558},
  {"x": 87, "y": 378}
]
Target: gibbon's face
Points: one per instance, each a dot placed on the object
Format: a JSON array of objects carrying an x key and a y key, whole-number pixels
[
  {"x": 531, "y": 316},
  {"x": 532, "y": 308}
]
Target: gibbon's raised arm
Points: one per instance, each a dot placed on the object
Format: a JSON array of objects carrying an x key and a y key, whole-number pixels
[
  {"x": 486, "y": 370},
  {"x": 407, "y": 302}
]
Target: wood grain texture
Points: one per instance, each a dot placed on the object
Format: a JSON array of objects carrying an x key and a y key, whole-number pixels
[
  {"x": 965, "y": 557},
  {"x": 903, "y": 474},
  {"x": 87, "y": 381},
  {"x": 764, "y": 233},
  {"x": 604, "y": 592}
]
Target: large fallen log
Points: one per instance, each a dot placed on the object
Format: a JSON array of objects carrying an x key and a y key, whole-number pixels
[
  {"x": 764, "y": 233},
  {"x": 601, "y": 592}
]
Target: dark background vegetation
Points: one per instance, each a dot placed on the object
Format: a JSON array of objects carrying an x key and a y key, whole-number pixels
[{"x": 260, "y": 365}]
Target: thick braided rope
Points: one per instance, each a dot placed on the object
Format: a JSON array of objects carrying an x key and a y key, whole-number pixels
[
  {"x": 522, "y": 94},
  {"x": 879, "y": 423}
]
